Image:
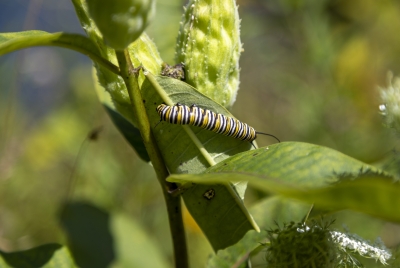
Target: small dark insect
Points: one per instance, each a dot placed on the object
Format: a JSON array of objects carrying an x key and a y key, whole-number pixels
[
  {"x": 195, "y": 116},
  {"x": 94, "y": 133},
  {"x": 209, "y": 194},
  {"x": 177, "y": 71}
]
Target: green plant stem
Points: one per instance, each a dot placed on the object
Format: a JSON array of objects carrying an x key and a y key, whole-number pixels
[
  {"x": 75, "y": 42},
  {"x": 129, "y": 74}
]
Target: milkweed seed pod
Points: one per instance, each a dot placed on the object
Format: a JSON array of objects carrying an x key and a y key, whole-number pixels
[
  {"x": 209, "y": 46},
  {"x": 121, "y": 22}
]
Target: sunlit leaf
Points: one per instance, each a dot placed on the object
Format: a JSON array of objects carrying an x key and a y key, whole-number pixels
[
  {"x": 303, "y": 171},
  {"x": 301, "y": 164}
]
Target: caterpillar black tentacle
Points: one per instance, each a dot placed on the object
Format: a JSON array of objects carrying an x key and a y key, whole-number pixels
[{"x": 195, "y": 116}]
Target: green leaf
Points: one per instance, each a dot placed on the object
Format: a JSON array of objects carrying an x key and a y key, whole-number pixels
[
  {"x": 47, "y": 256},
  {"x": 302, "y": 171},
  {"x": 301, "y": 164},
  {"x": 377, "y": 196},
  {"x": 89, "y": 234},
  {"x": 179, "y": 149},
  {"x": 10, "y": 42},
  {"x": 223, "y": 218}
]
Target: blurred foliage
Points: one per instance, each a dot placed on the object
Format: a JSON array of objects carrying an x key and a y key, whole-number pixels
[{"x": 309, "y": 72}]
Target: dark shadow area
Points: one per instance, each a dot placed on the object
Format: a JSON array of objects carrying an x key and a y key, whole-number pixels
[
  {"x": 34, "y": 257},
  {"x": 89, "y": 235}
]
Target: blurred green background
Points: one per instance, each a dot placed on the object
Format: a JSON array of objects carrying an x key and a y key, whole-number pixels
[{"x": 309, "y": 72}]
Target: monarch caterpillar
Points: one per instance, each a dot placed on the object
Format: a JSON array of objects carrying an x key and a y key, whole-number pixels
[{"x": 195, "y": 116}]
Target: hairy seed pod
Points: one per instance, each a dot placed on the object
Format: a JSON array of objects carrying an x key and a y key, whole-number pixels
[{"x": 209, "y": 45}]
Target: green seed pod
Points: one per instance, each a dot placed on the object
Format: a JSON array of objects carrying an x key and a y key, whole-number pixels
[
  {"x": 144, "y": 52},
  {"x": 121, "y": 22},
  {"x": 209, "y": 45}
]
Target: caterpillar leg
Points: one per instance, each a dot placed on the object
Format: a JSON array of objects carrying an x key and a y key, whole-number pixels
[
  {"x": 253, "y": 145},
  {"x": 181, "y": 189},
  {"x": 158, "y": 123}
]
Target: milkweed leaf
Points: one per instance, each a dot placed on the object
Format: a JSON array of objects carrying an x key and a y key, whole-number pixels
[
  {"x": 312, "y": 174},
  {"x": 219, "y": 210}
]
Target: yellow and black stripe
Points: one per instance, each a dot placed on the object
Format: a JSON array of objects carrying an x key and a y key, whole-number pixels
[{"x": 195, "y": 116}]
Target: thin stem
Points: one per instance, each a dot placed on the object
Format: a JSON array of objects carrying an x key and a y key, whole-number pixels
[
  {"x": 160, "y": 91},
  {"x": 129, "y": 74},
  {"x": 200, "y": 146},
  {"x": 75, "y": 42}
]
